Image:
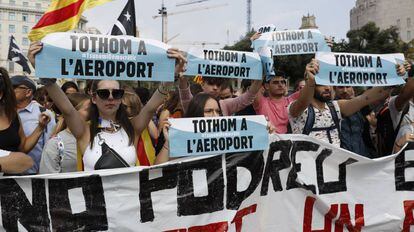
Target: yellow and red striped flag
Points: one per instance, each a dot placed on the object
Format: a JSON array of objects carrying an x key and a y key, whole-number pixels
[{"x": 62, "y": 15}]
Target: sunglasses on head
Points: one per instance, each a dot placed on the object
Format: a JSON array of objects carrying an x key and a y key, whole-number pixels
[{"x": 105, "y": 93}]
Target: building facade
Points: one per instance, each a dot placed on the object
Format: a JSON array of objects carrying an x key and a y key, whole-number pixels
[
  {"x": 17, "y": 17},
  {"x": 308, "y": 22},
  {"x": 385, "y": 13}
]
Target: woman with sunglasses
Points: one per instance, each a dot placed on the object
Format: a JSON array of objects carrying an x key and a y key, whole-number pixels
[
  {"x": 202, "y": 105},
  {"x": 109, "y": 140},
  {"x": 12, "y": 137}
]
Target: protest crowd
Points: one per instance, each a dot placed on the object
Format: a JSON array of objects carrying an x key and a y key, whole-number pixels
[
  {"x": 52, "y": 129},
  {"x": 48, "y": 128}
]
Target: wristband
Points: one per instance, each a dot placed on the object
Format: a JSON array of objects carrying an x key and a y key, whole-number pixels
[{"x": 397, "y": 145}]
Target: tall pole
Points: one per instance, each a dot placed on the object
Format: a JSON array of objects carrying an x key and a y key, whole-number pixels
[
  {"x": 249, "y": 16},
  {"x": 163, "y": 13}
]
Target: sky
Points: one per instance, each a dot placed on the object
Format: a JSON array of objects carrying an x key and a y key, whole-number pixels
[{"x": 225, "y": 24}]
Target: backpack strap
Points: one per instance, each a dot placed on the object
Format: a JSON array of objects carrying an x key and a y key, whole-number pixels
[
  {"x": 405, "y": 111},
  {"x": 42, "y": 109},
  {"x": 334, "y": 114},
  {"x": 310, "y": 120}
]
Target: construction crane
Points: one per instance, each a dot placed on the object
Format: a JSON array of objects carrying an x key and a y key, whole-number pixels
[
  {"x": 249, "y": 16},
  {"x": 197, "y": 43},
  {"x": 164, "y": 16},
  {"x": 190, "y": 2}
]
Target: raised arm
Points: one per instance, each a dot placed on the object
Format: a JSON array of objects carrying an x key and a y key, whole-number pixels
[
  {"x": 232, "y": 105},
  {"x": 140, "y": 122},
  {"x": 306, "y": 94},
  {"x": 259, "y": 95},
  {"x": 15, "y": 162},
  {"x": 407, "y": 92},
  {"x": 29, "y": 142},
  {"x": 350, "y": 107},
  {"x": 73, "y": 120},
  {"x": 184, "y": 92}
]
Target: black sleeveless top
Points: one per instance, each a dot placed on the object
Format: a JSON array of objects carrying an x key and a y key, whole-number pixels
[{"x": 9, "y": 137}]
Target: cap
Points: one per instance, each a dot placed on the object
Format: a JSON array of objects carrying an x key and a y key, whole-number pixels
[{"x": 23, "y": 80}]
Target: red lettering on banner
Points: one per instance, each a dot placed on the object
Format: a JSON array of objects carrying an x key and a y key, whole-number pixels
[
  {"x": 238, "y": 219},
  {"x": 307, "y": 219},
  {"x": 212, "y": 227},
  {"x": 409, "y": 219},
  {"x": 343, "y": 220},
  {"x": 221, "y": 226}
]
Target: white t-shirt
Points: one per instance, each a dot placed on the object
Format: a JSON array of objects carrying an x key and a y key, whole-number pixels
[
  {"x": 406, "y": 129},
  {"x": 4, "y": 153},
  {"x": 118, "y": 141},
  {"x": 396, "y": 115},
  {"x": 322, "y": 119}
]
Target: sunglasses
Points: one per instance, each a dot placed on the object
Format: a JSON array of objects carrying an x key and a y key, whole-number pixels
[{"x": 105, "y": 93}]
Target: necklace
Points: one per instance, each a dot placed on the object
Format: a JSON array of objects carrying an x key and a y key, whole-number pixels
[{"x": 108, "y": 125}]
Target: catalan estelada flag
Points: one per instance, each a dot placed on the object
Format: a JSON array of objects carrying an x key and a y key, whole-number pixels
[
  {"x": 145, "y": 150},
  {"x": 62, "y": 15}
]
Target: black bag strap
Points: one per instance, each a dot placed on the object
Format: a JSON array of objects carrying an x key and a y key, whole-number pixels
[
  {"x": 310, "y": 120},
  {"x": 405, "y": 111},
  {"x": 334, "y": 114}
]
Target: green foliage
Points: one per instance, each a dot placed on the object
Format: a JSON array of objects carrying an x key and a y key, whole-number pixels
[
  {"x": 370, "y": 39},
  {"x": 244, "y": 44}
]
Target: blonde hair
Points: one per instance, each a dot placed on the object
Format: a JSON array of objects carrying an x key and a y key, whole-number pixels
[{"x": 132, "y": 101}]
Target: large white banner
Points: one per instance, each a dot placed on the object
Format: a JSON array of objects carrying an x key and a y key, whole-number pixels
[{"x": 298, "y": 184}]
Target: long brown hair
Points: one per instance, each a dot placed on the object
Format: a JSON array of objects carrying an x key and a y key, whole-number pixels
[
  {"x": 121, "y": 116},
  {"x": 9, "y": 99}
]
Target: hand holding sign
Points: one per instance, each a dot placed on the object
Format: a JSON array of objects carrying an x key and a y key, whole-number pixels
[
  {"x": 311, "y": 70},
  {"x": 402, "y": 69},
  {"x": 35, "y": 47},
  {"x": 180, "y": 60}
]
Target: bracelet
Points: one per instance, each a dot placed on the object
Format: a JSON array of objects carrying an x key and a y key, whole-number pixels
[
  {"x": 163, "y": 93},
  {"x": 396, "y": 144}
]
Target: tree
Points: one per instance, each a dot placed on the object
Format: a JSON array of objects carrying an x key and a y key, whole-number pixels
[
  {"x": 371, "y": 39},
  {"x": 244, "y": 44}
]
